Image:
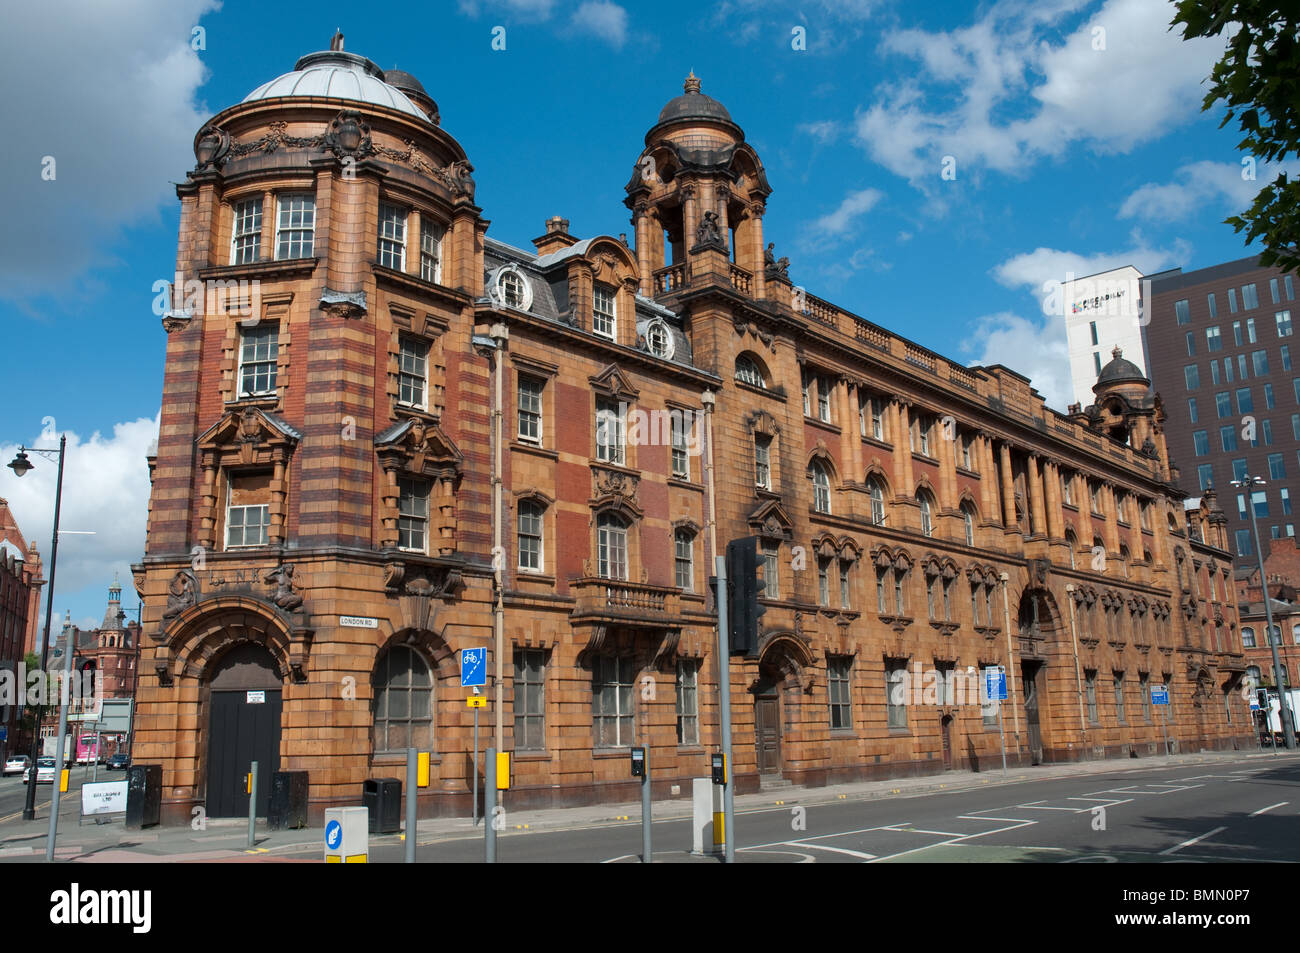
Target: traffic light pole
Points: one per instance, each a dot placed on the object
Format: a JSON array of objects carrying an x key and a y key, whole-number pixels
[{"x": 724, "y": 691}]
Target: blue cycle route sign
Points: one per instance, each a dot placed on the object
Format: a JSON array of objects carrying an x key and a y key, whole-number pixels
[
  {"x": 333, "y": 835},
  {"x": 473, "y": 667},
  {"x": 1159, "y": 695},
  {"x": 995, "y": 682}
]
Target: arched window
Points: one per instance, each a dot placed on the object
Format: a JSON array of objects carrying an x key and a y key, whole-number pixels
[
  {"x": 1247, "y": 637},
  {"x": 1071, "y": 543},
  {"x": 927, "y": 513},
  {"x": 821, "y": 481},
  {"x": 1098, "y": 563},
  {"x": 877, "y": 501},
  {"x": 684, "y": 559},
  {"x": 1123, "y": 560},
  {"x": 611, "y": 546},
  {"x": 403, "y": 705},
  {"x": 748, "y": 372},
  {"x": 968, "y": 518},
  {"x": 530, "y": 536}
]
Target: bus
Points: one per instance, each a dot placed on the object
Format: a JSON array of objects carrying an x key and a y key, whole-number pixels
[{"x": 87, "y": 748}]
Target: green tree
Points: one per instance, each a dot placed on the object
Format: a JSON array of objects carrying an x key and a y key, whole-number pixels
[{"x": 1258, "y": 79}]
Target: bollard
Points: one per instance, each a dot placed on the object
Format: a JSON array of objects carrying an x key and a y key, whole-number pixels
[
  {"x": 252, "y": 804},
  {"x": 411, "y": 801}
]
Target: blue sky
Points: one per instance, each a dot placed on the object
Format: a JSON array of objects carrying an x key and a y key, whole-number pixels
[{"x": 1074, "y": 130}]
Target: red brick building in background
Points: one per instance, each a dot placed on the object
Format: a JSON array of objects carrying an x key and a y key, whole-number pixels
[
  {"x": 20, "y": 599},
  {"x": 1282, "y": 569},
  {"x": 323, "y": 542}
]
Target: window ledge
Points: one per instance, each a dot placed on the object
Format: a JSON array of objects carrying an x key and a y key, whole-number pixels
[
  {"x": 535, "y": 449},
  {"x": 532, "y": 755},
  {"x": 621, "y": 751},
  {"x": 685, "y": 483}
]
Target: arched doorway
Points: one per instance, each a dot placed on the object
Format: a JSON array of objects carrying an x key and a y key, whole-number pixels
[
  {"x": 1036, "y": 623},
  {"x": 243, "y": 726},
  {"x": 782, "y": 658}
]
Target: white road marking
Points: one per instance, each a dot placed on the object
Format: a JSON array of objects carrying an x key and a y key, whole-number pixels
[
  {"x": 1194, "y": 840},
  {"x": 805, "y": 858},
  {"x": 1263, "y": 810}
]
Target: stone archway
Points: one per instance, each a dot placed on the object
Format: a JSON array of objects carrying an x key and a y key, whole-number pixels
[{"x": 784, "y": 660}]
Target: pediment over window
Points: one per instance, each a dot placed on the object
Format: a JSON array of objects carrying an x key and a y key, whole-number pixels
[
  {"x": 771, "y": 519},
  {"x": 612, "y": 382},
  {"x": 250, "y": 431},
  {"x": 418, "y": 446}
]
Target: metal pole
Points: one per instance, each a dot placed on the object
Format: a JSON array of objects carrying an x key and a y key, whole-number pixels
[
  {"x": 490, "y": 809},
  {"x": 411, "y": 781},
  {"x": 1164, "y": 722},
  {"x": 65, "y": 700},
  {"x": 1002, "y": 730},
  {"x": 29, "y": 806},
  {"x": 476, "y": 766},
  {"x": 724, "y": 693},
  {"x": 647, "y": 855},
  {"x": 252, "y": 804},
  {"x": 1288, "y": 731}
]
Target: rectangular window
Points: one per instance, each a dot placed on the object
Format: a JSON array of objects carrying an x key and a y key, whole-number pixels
[
  {"x": 1269, "y": 402},
  {"x": 1295, "y": 426},
  {"x": 1283, "y": 319},
  {"x": 681, "y": 457},
  {"x": 530, "y": 699},
  {"x": 684, "y": 559},
  {"x": 1201, "y": 443},
  {"x": 412, "y": 515},
  {"x": 1183, "y": 313},
  {"x": 1214, "y": 372},
  {"x": 1250, "y": 330},
  {"x": 1244, "y": 547},
  {"x": 295, "y": 227},
  {"x": 1096, "y": 361},
  {"x": 430, "y": 250},
  {"x": 1213, "y": 341},
  {"x": 1272, "y": 290},
  {"x": 844, "y": 584},
  {"x": 1259, "y": 501},
  {"x": 1223, "y": 404},
  {"x": 529, "y": 409},
  {"x": 1144, "y": 688},
  {"x": 1228, "y": 438},
  {"x": 807, "y": 383},
  {"x": 1266, "y": 430},
  {"x": 876, "y": 411},
  {"x": 1241, "y": 365},
  {"x": 611, "y": 700},
  {"x": 1290, "y": 291},
  {"x": 688, "y": 702},
  {"x": 1092, "y": 329},
  {"x": 1205, "y": 475},
  {"x": 412, "y": 372},
  {"x": 824, "y": 385},
  {"x": 1236, "y": 333},
  {"x": 763, "y": 462},
  {"x": 1245, "y": 403},
  {"x": 1276, "y": 468},
  {"x": 1191, "y": 376},
  {"x": 1285, "y": 352},
  {"x": 1239, "y": 468},
  {"x": 392, "y": 236},
  {"x": 896, "y": 693},
  {"x": 838, "y": 669},
  {"x": 1285, "y": 494},
  {"x": 1191, "y": 343},
  {"x": 610, "y": 434},
  {"x": 1213, "y": 306},
  {"x": 1259, "y": 359},
  {"x": 611, "y": 547},
  {"x": 771, "y": 567},
  {"x": 1090, "y": 680},
  {"x": 1249, "y": 297},
  {"x": 823, "y": 581},
  {"x": 246, "y": 232},
  {"x": 248, "y": 509},
  {"x": 259, "y": 349},
  {"x": 530, "y": 536},
  {"x": 1119, "y": 698},
  {"x": 1232, "y": 300},
  {"x": 603, "y": 318}
]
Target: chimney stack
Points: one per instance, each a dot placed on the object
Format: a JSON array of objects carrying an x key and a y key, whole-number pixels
[{"x": 557, "y": 236}]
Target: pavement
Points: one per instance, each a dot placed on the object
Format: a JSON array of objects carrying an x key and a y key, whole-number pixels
[{"x": 226, "y": 840}]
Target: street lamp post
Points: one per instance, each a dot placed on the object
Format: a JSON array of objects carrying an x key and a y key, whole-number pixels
[
  {"x": 1288, "y": 728},
  {"x": 20, "y": 465}
]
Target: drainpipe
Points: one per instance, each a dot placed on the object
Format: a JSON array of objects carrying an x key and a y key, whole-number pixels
[
  {"x": 1011, "y": 680},
  {"x": 1078, "y": 675},
  {"x": 500, "y": 334},
  {"x": 708, "y": 400}
]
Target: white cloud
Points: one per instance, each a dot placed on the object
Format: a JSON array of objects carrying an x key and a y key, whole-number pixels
[
  {"x": 1032, "y": 270},
  {"x": 107, "y": 91},
  {"x": 823, "y": 130},
  {"x": 1197, "y": 186},
  {"x": 833, "y": 227},
  {"x": 997, "y": 95},
  {"x": 105, "y": 491},
  {"x": 523, "y": 9},
  {"x": 602, "y": 19},
  {"x": 1038, "y": 350}
]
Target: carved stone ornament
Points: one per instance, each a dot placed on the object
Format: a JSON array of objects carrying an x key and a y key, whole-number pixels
[
  {"x": 176, "y": 320},
  {"x": 614, "y": 483},
  {"x": 774, "y": 267},
  {"x": 211, "y": 147},
  {"x": 349, "y": 135},
  {"x": 182, "y": 593},
  {"x": 285, "y": 597},
  {"x": 344, "y": 304},
  {"x": 708, "y": 234}
]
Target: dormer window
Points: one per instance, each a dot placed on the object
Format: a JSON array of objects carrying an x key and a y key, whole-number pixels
[
  {"x": 512, "y": 289},
  {"x": 659, "y": 340},
  {"x": 603, "y": 316},
  {"x": 748, "y": 372}
]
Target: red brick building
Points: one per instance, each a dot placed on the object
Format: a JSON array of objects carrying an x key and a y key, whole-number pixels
[
  {"x": 20, "y": 594},
  {"x": 387, "y": 437}
]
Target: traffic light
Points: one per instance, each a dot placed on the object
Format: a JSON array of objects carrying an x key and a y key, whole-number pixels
[{"x": 744, "y": 583}]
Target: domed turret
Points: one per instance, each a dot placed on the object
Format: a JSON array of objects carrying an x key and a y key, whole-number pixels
[
  {"x": 1119, "y": 371},
  {"x": 334, "y": 74}
]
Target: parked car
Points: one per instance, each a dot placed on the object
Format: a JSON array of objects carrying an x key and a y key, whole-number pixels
[
  {"x": 44, "y": 771},
  {"x": 17, "y": 764},
  {"x": 119, "y": 760}
]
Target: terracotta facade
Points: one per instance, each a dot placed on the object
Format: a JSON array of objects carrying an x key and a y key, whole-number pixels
[{"x": 327, "y": 496}]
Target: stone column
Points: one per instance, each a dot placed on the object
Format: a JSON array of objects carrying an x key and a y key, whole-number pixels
[
  {"x": 902, "y": 448},
  {"x": 642, "y": 231},
  {"x": 1008, "y": 489}
]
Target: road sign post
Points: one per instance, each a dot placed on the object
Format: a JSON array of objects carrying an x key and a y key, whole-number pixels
[
  {"x": 490, "y": 809},
  {"x": 724, "y": 693},
  {"x": 995, "y": 689},
  {"x": 473, "y": 674},
  {"x": 641, "y": 769},
  {"x": 412, "y": 800},
  {"x": 1160, "y": 697},
  {"x": 252, "y": 804}
]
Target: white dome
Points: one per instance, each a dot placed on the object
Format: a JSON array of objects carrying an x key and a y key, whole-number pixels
[{"x": 337, "y": 75}]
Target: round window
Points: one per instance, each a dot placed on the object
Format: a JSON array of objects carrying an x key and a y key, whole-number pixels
[{"x": 659, "y": 340}]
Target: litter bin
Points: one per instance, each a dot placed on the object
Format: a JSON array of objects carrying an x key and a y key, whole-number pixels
[
  {"x": 383, "y": 798},
  {"x": 288, "y": 810},
  {"x": 143, "y": 796}
]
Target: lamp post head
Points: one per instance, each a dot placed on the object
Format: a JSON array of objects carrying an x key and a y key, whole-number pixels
[{"x": 20, "y": 464}]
